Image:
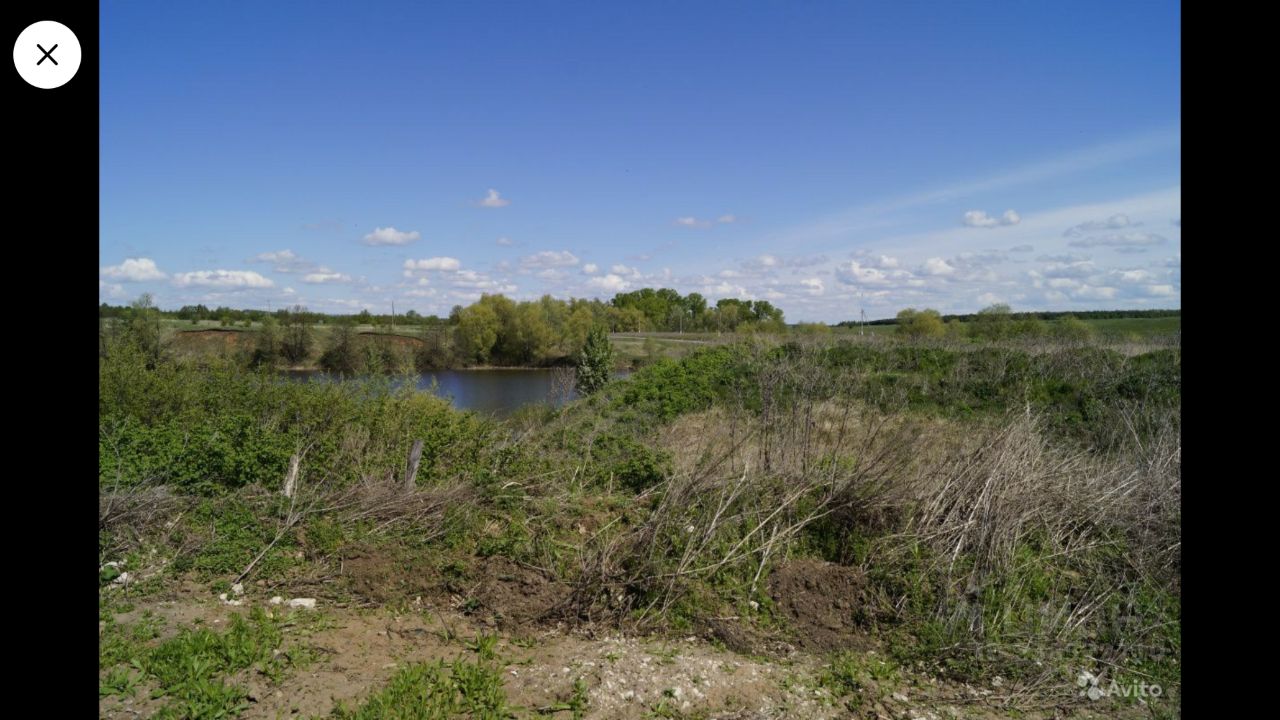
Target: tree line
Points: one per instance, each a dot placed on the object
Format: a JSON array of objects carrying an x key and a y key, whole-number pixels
[
  {"x": 1046, "y": 315},
  {"x": 494, "y": 330}
]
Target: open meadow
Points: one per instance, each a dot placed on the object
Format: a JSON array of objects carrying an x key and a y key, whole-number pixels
[{"x": 809, "y": 525}]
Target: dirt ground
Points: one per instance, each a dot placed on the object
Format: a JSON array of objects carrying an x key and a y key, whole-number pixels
[{"x": 357, "y": 649}]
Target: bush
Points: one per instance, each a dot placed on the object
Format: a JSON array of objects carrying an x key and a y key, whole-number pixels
[
  {"x": 594, "y": 362},
  {"x": 920, "y": 324}
]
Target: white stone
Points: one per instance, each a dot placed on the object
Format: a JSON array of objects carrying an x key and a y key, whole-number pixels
[
  {"x": 308, "y": 603},
  {"x": 238, "y": 588},
  {"x": 277, "y": 600}
]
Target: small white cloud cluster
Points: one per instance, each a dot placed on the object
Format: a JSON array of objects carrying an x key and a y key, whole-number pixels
[
  {"x": 980, "y": 219},
  {"x": 222, "y": 279},
  {"x": 391, "y": 236},
  {"x": 494, "y": 199}
]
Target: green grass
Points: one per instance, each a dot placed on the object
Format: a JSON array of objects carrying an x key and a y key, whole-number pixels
[
  {"x": 437, "y": 691},
  {"x": 192, "y": 671},
  {"x": 1140, "y": 327},
  {"x": 858, "y": 677}
]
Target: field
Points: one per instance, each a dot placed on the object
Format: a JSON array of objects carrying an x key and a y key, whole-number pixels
[{"x": 748, "y": 526}]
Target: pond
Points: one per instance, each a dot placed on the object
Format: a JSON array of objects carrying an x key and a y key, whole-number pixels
[{"x": 497, "y": 391}]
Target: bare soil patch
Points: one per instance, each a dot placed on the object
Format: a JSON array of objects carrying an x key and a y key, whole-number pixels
[{"x": 820, "y": 599}]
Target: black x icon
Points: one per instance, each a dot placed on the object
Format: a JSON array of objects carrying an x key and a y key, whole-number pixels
[{"x": 47, "y": 54}]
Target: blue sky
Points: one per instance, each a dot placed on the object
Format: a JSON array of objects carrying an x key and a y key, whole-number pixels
[{"x": 825, "y": 156}]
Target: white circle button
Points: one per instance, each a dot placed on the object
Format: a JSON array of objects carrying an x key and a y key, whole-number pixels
[{"x": 47, "y": 54}]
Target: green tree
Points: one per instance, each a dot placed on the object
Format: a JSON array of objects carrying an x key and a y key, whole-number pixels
[
  {"x": 341, "y": 355},
  {"x": 1072, "y": 328},
  {"x": 298, "y": 338},
  {"x": 993, "y": 322},
  {"x": 142, "y": 329},
  {"x": 914, "y": 323},
  {"x": 477, "y": 332},
  {"x": 594, "y": 362},
  {"x": 266, "y": 347}
]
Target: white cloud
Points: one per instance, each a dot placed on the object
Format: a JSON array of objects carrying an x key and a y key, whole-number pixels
[
  {"x": 505, "y": 242},
  {"x": 1132, "y": 277},
  {"x": 854, "y": 273},
  {"x": 391, "y": 236},
  {"x": 133, "y": 270},
  {"x": 548, "y": 259},
  {"x": 110, "y": 290},
  {"x": 692, "y": 222},
  {"x": 979, "y": 218},
  {"x": 1091, "y": 292},
  {"x": 727, "y": 219},
  {"x": 1022, "y": 248},
  {"x": 590, "y": 269},
  {"x": 814, "y": 285},
  {"x": 324, "y": 276},
  {"x": 222, "y": 279},
  {"x": 610, "y": 282},
  {"x": 285, "y": 261},
  {"x": 621, "y": 269},
  {"x": 472, "y": 280},
  {"x": 1133, "y": 239},
  {"x": 936, "y": 266},
  {"x": 494, "y": 200},
  {"x": 444, "y": 264},
  {"x": 1115, "y": 222}
]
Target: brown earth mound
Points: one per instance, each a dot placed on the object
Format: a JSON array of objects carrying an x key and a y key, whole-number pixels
[
  {"x": 516, "y": 594},
  {"x": 494, "y": 590},
  {"x": 222, "y": 336},
  {"x": 820, "y": 599}
]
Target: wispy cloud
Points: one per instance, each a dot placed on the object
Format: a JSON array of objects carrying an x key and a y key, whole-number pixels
[
  {"x": 1115, "y": 222},
  {"x": 692, "y": 222},
  {"x": 979, "y": 218},
  {"x": 1133, "y": 239},
  {"x": 494, "y": 199},
  {"x": 446, "y": 264},
  {"x": 222, "y": 279}
]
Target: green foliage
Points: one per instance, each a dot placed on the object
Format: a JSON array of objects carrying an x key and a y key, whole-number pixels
[
  {"x": 669, "y": 388},
  {"x": 914, "y": 323},
  {"x": 436, "y": 691},
  {"x": 190, "y": 669},
  {"x": 1071, "y": 328},
  {"x": 222, "y": 428},
  {"x": 298, "y": 339},
  {"x": 341, "y": 356},
  {"x": 628, "y": 462},
  {"x": 812, "y": 329},
  {"x": 594, "y": 362},
  {"x": 859, "y": 677}
]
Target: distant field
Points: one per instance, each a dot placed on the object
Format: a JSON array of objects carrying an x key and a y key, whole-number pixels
[
  {"x": 1144, "y": 327},
  {"x": 1140, "y": 326}
]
